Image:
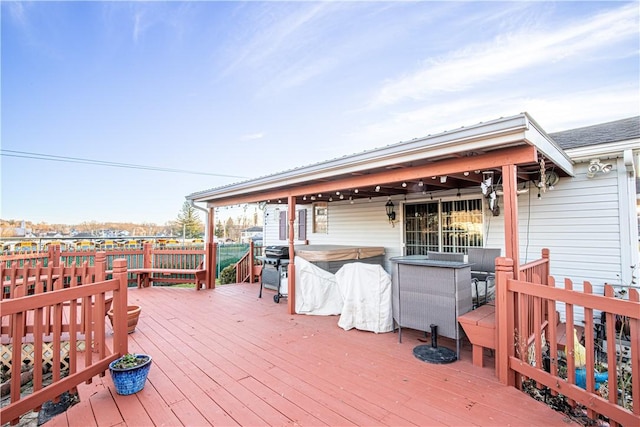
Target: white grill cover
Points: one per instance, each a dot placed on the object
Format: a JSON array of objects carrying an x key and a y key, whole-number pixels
[
  {"x": 316, "y": 290},
  {"x": 366, "y": 290}
]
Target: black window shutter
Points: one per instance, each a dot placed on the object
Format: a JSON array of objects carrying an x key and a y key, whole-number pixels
[
  {"x": 302, "y": 224},
  {"x": 283, "y": 225}
]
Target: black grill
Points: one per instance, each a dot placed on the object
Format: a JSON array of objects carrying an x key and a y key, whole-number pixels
[
  {"x": 277, "y": 252},
  {"x": 274, "y": 266}
]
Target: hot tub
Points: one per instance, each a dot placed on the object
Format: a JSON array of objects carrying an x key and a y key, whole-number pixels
[{"x": 332, "y": 257}]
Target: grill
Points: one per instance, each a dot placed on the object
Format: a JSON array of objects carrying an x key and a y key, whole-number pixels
[{"x": 274, "y": 269}]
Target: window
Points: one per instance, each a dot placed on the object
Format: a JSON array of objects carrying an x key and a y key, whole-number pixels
[
  {"x": 320, "y": 218},
  {"x": 283, "y": 225},
  {"x": 451, "y": 226}
]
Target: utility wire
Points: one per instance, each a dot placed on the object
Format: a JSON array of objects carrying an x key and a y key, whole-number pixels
[{"x": 64, "y": 159}]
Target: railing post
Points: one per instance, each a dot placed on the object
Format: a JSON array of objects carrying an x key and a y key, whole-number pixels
[
  {"x": 147, "y": 257},
  {"x": 546, "y": 255},
  {"x": 54, "y": 255},
  {"x": 504, "y": 321},
  {"x": 100, "y": 266},
  {"x": 120, "y": 337}
]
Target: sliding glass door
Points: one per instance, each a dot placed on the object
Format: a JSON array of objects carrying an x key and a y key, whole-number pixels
[{"x": 448, "y": 226}]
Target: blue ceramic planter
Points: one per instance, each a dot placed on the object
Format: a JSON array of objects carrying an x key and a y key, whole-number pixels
[{"x": 130, "y": 380}]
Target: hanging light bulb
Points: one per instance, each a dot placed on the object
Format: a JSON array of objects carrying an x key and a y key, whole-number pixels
[
  {"x": 421, "y": 183},
  {"x": 341, "y": 196},
  {"x": 304, "y": 197},
  {"x": 377, "y": 188},
  {"x": 331, "y": 198},
  {"x": 356, "y": 191},
  {"x": 404, "y": 185}
]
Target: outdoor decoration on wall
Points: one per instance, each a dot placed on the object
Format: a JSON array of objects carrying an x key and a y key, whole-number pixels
[{"x": 489, "y": 192}]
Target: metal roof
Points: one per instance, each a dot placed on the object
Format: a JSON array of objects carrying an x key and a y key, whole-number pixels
[{"x": 478, "y": 141}]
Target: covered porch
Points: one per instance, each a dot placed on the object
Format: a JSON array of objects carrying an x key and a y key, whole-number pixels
[{"x": 226, "y": 357}]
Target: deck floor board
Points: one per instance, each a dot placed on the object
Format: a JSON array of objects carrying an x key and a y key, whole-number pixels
[{"x": 226, "y": 357}]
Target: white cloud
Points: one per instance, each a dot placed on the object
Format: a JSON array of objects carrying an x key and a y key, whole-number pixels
[
  {"x": 509, "y": 54},
  {"x": 252, "y": 136},
  {"x": 553, "y": 112}
]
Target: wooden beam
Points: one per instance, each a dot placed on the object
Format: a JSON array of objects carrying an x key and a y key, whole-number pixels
[{"x": 509, "y": 156}]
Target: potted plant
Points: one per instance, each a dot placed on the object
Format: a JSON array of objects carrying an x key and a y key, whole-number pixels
[
  {"x": 129, "y": 372},
  {"x": 133, "y": 312}
]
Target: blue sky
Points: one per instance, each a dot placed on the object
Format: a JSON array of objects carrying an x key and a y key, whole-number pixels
[{"x": 245, "y": 89}]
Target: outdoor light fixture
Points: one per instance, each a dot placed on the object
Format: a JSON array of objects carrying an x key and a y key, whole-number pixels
[
  {"x": 377, "y": 188},
  {"x": 595, "y": 166},
  {"x": 391, "y": 214},
  {"x": 443, "y": 179},
  {"x": 404, "y": 185},
  {"x": 420, "y": 183}
]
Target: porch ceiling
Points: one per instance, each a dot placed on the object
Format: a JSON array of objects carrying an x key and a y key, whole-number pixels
[{"x": 451, "y": 160}]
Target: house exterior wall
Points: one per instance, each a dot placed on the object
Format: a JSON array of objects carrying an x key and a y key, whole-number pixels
[
  {"x": 586, "y": 226},
  {"x": 583, "y": 221}
]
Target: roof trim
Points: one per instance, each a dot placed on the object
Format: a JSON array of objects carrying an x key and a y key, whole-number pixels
[{"x": 500, "y": 133}]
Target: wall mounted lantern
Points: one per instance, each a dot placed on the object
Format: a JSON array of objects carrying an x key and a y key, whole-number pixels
[{"x": 391, "y": 213}]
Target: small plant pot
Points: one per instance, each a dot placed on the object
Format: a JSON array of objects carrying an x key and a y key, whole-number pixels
[
  {"x": 133, "y": 312},
  {"x": 130, "y": 380}
]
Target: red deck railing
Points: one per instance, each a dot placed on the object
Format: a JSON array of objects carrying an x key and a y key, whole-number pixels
[
  {"x": 57, "y": 303},
  {"x": 246, "y": 267},
  {"x": 519, "y": 351}
]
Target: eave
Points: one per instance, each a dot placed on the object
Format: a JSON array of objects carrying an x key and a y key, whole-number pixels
[{"x": 461, "y": 154}]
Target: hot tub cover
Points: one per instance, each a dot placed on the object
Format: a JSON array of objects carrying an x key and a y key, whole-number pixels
[
  {"x": 366, "y": 291},
  {"x": 316, "y": 253},
  {"x": 316, "y": 290}
]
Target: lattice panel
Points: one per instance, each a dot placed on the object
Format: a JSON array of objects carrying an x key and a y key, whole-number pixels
[{"x": 28, "y": 354}]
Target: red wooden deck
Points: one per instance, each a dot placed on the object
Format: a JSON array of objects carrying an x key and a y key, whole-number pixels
[{"x": 225, "y": 357}]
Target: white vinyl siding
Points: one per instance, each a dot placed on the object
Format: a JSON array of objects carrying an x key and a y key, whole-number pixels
[{"x": 578, "y": 221}]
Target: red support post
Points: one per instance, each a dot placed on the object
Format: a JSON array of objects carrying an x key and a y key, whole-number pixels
[
  {"x": 291, "y": 296},
  {"x": 251, "y": 261}
]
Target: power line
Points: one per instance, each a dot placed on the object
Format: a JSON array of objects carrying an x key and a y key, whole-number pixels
[{"x": 64, "y": 159}]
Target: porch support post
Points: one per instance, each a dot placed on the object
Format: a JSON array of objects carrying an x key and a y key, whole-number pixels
[
  {"x": 511, "y": 241},
  {"x": 211, "y": 252},
  {"x": 291, "y": 298}
]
